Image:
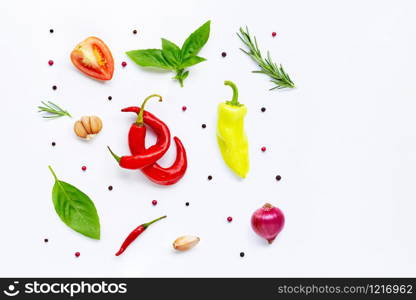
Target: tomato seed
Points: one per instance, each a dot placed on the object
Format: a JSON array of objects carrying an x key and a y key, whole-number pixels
[
  {"x": 50, "y": 62},
  {"x": 123, "y": 64},
  {"x": 154, "y": 202}
]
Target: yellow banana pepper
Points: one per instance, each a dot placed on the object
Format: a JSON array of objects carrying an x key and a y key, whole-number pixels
[{"x": 231, "y": 136}]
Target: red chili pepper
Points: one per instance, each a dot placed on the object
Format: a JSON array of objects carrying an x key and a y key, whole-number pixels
[
  {"x": 156, "y": 173},
  {"x": 134, "y": 234},
  {"x": 138, "y": 161}
]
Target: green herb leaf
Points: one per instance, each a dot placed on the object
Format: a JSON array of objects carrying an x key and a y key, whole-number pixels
[
  {"x": 190, "y": 61},
  {"x": 149, "y": 58},
  {"x": 171, "y": 57},
  {"x": 75, "y": 208},
  {"x": 171, "y": 52},
  {"x": 196, "y": 41},
  {"x": 275, "y": 72},
  {"x": 53, "y": 110}
]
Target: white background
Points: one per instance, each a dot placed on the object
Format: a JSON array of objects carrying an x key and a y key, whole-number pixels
[{"x": 344, "y": 141}]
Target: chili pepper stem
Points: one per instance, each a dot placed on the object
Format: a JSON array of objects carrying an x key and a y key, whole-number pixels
[
  {"x": 53, "y": 173},
  {"x": 145, "y": 225},
  {"x": 234, "y": 100},
  {"x": 139, "y": 120},
  {"x": 116, "y": 157}
]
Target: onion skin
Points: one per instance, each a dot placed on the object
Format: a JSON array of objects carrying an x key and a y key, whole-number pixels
[{"x": 267, "y": 222}]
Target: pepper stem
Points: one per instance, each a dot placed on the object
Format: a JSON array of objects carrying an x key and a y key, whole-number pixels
[
  {"x": 234, "y": 100},
  {"x": 139, "y": 120},
  {"x": 53, "y": 173},
  {"x": 145, "y": 225},
  {"x": 116, "y": 157}
]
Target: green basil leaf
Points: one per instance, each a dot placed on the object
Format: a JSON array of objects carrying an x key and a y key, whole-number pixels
[
  {"x": 149, "y": 58},
  {"x": 190, "y": 61},
  {"x": 196, "y": 41},
  {"x": 75, "y": 209},
  {"x": 171, "y": 52}
]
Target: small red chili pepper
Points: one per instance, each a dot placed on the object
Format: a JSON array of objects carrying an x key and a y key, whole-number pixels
[
  {"x": 138, "y": 161},
  {"x": 134, "y": 234},
  {"x": 156, "y": 173}
]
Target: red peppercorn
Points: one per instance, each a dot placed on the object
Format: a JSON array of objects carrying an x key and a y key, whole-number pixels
[
  {"x": 183, "y": 108},
  {"x": 77, "y": 254},
  {"x": 229, "y": 219},
  {"x": 123, "y": 64},
  {"x": 154, "y": 202},
  {"x": 84, "y": 168},
  {"x": 50, "y": 62},
  {"x": 263, "y": 149},
  {"x": 274, "y": 34}
]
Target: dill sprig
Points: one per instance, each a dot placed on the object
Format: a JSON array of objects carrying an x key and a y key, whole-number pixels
[
  {"x": 276, "y": 72},
  {"x": 53, "y": 111}
]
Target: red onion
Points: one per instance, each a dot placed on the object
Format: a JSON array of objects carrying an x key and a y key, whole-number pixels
[{"x": 267, "y": 222}]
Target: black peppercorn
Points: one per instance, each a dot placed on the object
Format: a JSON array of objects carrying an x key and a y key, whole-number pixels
[
  {"x": 278, "y": 177},
  {"x": 242, "y": 254}
]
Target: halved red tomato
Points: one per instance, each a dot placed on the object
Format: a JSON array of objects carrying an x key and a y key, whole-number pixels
[{"x": 93, "y": 58}]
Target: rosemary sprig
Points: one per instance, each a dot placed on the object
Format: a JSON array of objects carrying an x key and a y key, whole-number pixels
[
  {"x": 277, "y": 74},
  {"x": 53, "y": 111}
]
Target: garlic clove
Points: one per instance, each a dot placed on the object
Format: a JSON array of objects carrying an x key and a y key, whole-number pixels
[
  {"x": 185, "y": 242},
  {"x": 80, "y": 130},
  {"x": 86, "y": 123},
  {"x": 88, "y": 127},
  {"x": 96, "y": 124}
]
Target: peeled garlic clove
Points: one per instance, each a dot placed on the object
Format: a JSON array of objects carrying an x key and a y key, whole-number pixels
[
  {"x": 80, "y": 130},
  {"x": 96, "y": 124},
  {"x": 86, "y": 123},
  {"x": 88, "y": 126},
  {"x": 185, "y": 242}
]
